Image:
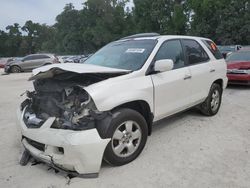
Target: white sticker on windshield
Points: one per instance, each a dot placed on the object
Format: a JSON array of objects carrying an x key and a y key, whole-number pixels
[{"x": 135, "y": 50}]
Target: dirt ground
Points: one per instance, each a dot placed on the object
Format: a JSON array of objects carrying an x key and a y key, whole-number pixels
[{"x": 188, "y": 150}]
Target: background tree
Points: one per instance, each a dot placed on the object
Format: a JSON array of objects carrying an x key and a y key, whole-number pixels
[
  {"x": 225, "y": 21},
  {"x": 13, "y": 40},
  {"x": 100, "y": 22}
]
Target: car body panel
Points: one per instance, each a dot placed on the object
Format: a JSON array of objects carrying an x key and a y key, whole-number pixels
[
  {"x": 83, "y": 150},
  {"x": 171, "y": 92},
  {"x": 121, "y": 90},
  {"x": 73, "y": 67}
]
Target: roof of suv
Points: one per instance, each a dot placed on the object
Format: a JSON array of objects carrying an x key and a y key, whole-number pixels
[
  {"x": 47, "y": 54},
  {"x": 157, "y": 36}
]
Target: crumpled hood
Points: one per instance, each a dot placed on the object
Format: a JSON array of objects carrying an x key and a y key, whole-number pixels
[{"x": 54, "y": 69}]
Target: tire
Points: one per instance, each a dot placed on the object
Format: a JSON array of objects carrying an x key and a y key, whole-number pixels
[
  {"x": 132, "y": 137},
  {"x": 211, "y": 105},
  {"x": 15, "y": 69},
  {"x": 25, "y": 158}
]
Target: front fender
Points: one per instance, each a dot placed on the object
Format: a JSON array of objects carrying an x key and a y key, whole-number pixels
[{"x": 112, "y": 93}]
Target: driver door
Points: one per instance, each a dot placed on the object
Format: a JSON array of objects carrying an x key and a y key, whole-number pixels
[{"x": 171, "y": 88}]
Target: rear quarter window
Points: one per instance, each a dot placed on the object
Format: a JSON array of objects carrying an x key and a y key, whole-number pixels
[{"x": 213, "y": 49}]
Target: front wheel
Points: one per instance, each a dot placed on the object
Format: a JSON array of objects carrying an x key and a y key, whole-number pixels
[
  {"x": 128, "y": 132},
  {"x": 15, "y": 69},
  {"x": 212, "y": 103}
]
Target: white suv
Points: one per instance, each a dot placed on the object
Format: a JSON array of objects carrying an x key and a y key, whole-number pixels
[{"x": 79, "y": 114}]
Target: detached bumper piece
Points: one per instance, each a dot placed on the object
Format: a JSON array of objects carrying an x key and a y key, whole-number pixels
[{"x": 26, "y": 156}]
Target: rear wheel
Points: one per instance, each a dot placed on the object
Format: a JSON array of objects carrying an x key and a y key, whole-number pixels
[
  {"x": 128, "y": 132},
  {"x": 212, "y": 104},
  {"x": 15, "y": 69}
]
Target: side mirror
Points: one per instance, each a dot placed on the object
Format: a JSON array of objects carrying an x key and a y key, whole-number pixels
[{"x": 163, "y": 65}]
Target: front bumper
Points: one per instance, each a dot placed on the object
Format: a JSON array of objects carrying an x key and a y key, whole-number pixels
[
  {"x": 6, "y": 68},
  {"x": 241, "y": 79},
  {"x": 78, "y": 152}
]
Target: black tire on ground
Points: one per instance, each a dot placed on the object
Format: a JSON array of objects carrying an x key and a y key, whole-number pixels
[
  {"x": 25, "y": 158},
  {"x": 206, "y": 107},
  {"x": 119, "y": 117},
  {"x": 15, "y": 69}
]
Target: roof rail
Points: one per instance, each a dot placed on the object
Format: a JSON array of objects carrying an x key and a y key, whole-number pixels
[{"x": 140, "y": 35}]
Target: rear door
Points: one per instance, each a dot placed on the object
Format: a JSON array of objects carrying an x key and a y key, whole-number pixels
[
  {"x": 171, "y": 88},
  {"x": 40, "y": 60},
  {"x": 200, "y": 66},
  {"x": 27, "y": 62},
  {"x": 217, "y": 61}
]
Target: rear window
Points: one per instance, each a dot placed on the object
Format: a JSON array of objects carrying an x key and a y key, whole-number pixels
[
  {"x": 213, "y": 48},
  {"x": 239, "y": 56},
  {"x": 42, "y": 57}
]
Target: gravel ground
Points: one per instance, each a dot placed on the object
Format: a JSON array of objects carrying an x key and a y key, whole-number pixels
[{"x": 188, "y": 150}]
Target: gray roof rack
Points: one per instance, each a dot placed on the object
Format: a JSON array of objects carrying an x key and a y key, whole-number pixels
[{"x": 140, "y": 35}]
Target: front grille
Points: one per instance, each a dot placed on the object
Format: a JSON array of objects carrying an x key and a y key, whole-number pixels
[
  {"x": 237, "y": 71},
  {"x": 36, "y": 144}
]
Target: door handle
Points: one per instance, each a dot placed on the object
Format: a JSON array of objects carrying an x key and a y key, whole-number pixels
[
  {"x": 187, "y": 77},
  {"x": 212, "y": 70}
]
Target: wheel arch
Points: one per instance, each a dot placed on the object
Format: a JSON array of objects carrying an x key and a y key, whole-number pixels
[
  {"x": 220, "y": 82},
  {"x": 16, "y": 66},
  {"x": 143, "y": 108}
]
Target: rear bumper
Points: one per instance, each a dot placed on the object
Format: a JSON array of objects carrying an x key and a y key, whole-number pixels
[
  {"x": 77, "y": 152},
  {"x": 241, "y": 79}
]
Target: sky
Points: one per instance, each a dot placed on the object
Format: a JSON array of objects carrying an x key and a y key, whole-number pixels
[{"x": 41, "y": 11}]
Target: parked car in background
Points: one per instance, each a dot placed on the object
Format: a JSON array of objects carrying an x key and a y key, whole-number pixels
[
  {"x": 84, "y": 58},
  {"x": 5, "y": 60},
  {"x": 105, "y": 107},
  {"x": 238, "y": 67},
  {"x": 73, "y": 59},
  {"x": 227, "y": 50},
  {"x": 30, "y": 62},
  {"x": 63, "y": 58}
]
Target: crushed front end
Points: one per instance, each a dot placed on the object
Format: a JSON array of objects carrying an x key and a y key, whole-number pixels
[{"x": 59, "y": 125}]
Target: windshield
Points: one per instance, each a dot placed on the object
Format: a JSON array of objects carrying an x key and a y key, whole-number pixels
[
  {"x": 239, "y": 56},
  {"x": 128, "y": 55}
]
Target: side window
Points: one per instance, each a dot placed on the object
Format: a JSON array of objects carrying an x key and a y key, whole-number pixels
[
  {"x": 213, "y": 48},
  {"x": 42, "y": 57},
  {"x": 172, "y": 50},
  {"x": 28, "y": 58},
  {"x": 194, "y": 52}
]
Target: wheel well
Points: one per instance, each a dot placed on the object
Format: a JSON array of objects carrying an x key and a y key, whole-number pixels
[
  {"x": 15, "y": 66},
  {"x": 143, "y": 108},
  {"x": 220, "y": 82}
]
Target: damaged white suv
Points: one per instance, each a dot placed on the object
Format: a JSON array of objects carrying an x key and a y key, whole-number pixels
[{"x": 79, "y": 114}]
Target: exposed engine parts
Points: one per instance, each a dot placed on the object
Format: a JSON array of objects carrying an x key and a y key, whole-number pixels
[{"x": 69, "y": 103}]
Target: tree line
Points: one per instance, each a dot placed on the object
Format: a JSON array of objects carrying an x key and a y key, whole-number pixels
[{"x": 101, "y": 21}]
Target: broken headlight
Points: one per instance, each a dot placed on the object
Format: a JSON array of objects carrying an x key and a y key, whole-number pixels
[{"x": 72, "y": 107}]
